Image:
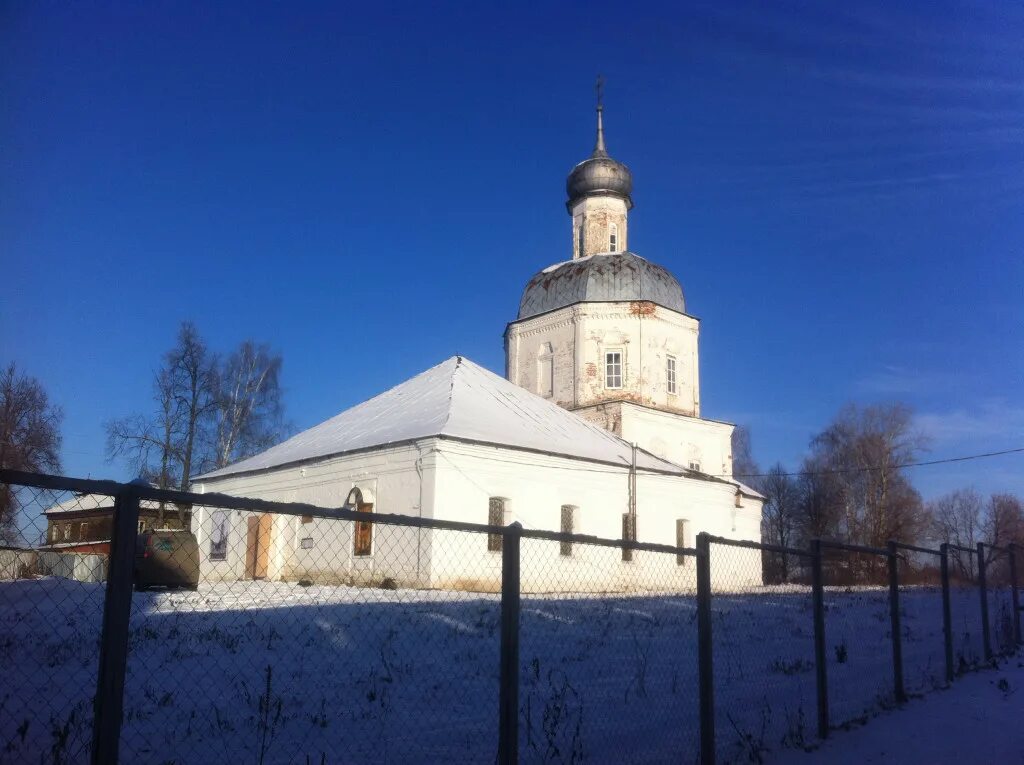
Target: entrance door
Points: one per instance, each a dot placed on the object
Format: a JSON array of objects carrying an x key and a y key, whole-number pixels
[{"x": 257, "y": 546}]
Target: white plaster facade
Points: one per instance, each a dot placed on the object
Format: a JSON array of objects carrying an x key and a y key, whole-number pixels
[{"x": 454, "y": 480}]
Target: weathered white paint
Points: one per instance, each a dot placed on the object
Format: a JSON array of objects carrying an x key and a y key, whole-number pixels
[
  {"x": 595, "y": 216},
  {"x": 454, "y": 480}
]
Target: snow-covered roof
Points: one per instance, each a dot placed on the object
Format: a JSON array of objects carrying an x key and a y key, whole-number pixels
[
  {"x": 461, "y": 400},
  {"x": 86, "y": 502}
]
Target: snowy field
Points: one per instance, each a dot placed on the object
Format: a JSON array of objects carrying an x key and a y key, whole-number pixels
[{"x": 266, "y": 672}]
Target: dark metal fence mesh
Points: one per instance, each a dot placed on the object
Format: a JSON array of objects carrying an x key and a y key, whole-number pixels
[
  {"x": 272, "y": 633},
  {"x": 52, "y": 572},
  {"x": 293, "y": 651},
  {"x": 858, "y": 636},
  {"x": 763, "y": 657},
  {"x": 923, "y": 639},
  {"x": 965, "y": 609},
  {"x": 607, "y": 655}
]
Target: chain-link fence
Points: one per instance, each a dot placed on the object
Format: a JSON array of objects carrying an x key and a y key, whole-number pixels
[
  {"x": 921, "y": 621},
  {"x": 608, "y": 667},
  {"x": 52, "y": 569},
  {"x": 163, "y": 627},
  {"x": 764, "y": 668}
]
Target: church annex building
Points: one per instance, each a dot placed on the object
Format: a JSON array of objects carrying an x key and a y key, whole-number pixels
[{"x": 601, "y": 356}]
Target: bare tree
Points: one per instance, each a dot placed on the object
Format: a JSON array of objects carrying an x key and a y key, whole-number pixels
[
  {"x": 167, "y": 446},
  {"x": 248, "y": 403},
  {"x": 194, "y": 375},
  {"x": 956, "y": 518},
  {"x": 743, "y": 465},
  {"x": 30, "y": 436},
  {"x": 861, "y": 453},
  {"x": 779, "y": 519}
]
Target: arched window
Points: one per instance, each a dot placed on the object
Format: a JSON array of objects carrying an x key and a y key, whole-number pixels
[{"x": 613, "y": 238}]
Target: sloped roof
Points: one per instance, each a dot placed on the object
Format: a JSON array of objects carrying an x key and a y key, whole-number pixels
[
  {"x": 604, "y": 278},
  {"x": 83, "y": 502},
  {"x": 455, "y": 399}
]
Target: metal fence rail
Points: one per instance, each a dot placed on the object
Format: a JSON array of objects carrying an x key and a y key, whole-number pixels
[{"x": 330, "y": 635}]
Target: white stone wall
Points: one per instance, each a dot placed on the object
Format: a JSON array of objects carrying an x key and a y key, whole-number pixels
[
  {"x": 579, "y": 336},
  {"x": 536, "y": 487},
  {"x": 683, "y": 440},
  {"x": 596, "y": 216},
  {"x": 455, "y": 481},
  {"x": 397, "y": 481}
]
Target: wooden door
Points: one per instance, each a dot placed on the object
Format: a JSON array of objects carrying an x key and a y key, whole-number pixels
[{"x": 257, "y": 546}]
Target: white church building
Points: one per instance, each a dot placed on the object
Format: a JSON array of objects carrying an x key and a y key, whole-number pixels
[{"x": 595, "y": 429}]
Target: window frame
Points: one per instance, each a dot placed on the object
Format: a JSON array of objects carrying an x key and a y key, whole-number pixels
[
  {"x": 217, "y": 550},
  {"x": 362, "y": 533},
  {"x": 83, "y": 531},
  {"x": 613, "y": 237},
  {"x": 609, "y": 364},
  {"x": 671, "y": 372}
]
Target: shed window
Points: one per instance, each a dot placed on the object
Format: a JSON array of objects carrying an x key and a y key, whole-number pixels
[
  {"x": 568, "y": 527},
  {"x": 613, "y": 369},
  {"x": 682, "y": 539},
  {"x": 613, "y": 238},
  {"x": 218, "y": 534},
  {"x": 670, "y": 373},
  {"x": 495, "y": 517},
  {"x": 83, "y": 531},
  {"x": 67, "y": 531},
  {"x": 364, "y": 532}
]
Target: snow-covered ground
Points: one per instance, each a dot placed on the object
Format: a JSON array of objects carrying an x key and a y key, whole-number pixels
[
  {"x": 268, "y": 672},
  {"x": 978, "y": 720}
]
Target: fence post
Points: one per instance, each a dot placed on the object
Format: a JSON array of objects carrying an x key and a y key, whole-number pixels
[
  {"x": 705, "y": 667},
  {"x": 1014, "y": 593},
  {"x": 947, "y": 614},
  {"x": 986, "y": 636},
  {"x": 108, "y": 705},
  {"x": 894, "y": 619},
  {"x": 508, "y": 692},
  {"x": 818, "y": 606}
]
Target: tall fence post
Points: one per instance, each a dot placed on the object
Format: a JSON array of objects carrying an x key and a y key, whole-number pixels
[
  {"x": 508, "y": 693},
  {"x": 108, "y": 705},
  {"x": 986, "y": 636},
  {"x": 705, "y": 666},
  {"x": 894, "y": 619},
  {"x": 947, "y": 614},
  {"x": 818, "y": 606},
  {"x": 1014, "y": 593}
]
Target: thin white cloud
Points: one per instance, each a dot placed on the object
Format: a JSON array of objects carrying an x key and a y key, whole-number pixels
[{"x": 991, "y": 425}]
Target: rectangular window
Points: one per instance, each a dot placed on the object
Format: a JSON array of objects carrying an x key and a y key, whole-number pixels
[
  {"x": 568, "y": 527},
  {"x": 364, "y": 533},
  {"x": 695, "y": 466},
  {"x": 613, "y": 369},
  {"x": 67, "y": 531},
  {"x": 495, "y": 517},
  {"x": 682, "y": 539},
  {"x": 142, "y": 526},
  {"x": 613, "y": 239},
  {"x": 670, "y": 373},
  {"x": 83, "y": 531},
  {"x": 307, "y": 519},
  {"x": 628, "y": 535},
  {"x": 219, "y": 520}
]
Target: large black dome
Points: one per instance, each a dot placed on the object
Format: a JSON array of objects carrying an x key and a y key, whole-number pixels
[{"x": 606, "y": 278}]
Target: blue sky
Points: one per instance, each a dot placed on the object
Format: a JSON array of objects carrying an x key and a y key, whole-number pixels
[{"x": 368, "y": 188}]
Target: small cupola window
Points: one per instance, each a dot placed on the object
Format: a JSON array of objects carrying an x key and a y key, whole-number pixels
[{"x": 613, "y": 238}]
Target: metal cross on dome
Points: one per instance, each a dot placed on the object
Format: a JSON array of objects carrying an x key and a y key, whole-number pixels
[{"x": 599, "y": 87}]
